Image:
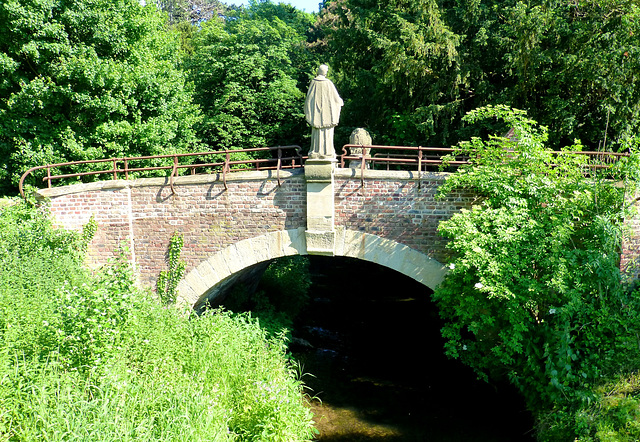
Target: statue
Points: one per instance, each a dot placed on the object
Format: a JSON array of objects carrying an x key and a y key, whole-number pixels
[{"x": 322, "y": 111}]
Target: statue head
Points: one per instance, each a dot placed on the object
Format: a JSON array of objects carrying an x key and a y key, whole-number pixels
[{"x": 323, "y": 69}]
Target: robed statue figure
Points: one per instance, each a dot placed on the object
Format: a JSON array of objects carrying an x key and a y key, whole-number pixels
[{"x": 322, "y": 111}]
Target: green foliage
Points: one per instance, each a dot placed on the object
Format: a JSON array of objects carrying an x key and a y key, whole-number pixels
[
  {"x": 181, "y": 12},
  {"x": 92, "y": 358},
  {"x": 168, "y": 279},
  {"x": 573, "y": 65},
  {"x": 287, "y": 282},
  {"x": 534, "y": 292},
  {"x": 399, "y": 58},
  {"x": 89, "y": 79},
  {"x": 251, "y": 74},
  {"x": 423, "y": 64},
  {"x": 281, "y": 295},
  {"x": 230, "y": 359},
  {"x": 613, "y": 416},
  {"x": 35, "y": 260}
]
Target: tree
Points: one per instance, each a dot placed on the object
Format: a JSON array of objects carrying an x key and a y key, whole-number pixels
[
  {"x": 422, "y": 64},
  {"x": 570, "y": 65},
  {"x": 579, "y": 70},
  {"x": 398, "y": 58},
  {"x": 250, "y": 73},
  {"x": 534, "y": 291},
  {"x": 192, "y": 11},
  {"x": 89, "y": 79}
]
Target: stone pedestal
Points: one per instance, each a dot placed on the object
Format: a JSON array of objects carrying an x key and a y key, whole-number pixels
[{"x": 320, "y": 233}]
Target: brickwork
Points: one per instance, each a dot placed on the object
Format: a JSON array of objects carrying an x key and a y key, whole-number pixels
[
  {"x": 142, "y": 215},
  {"x": 630, "y": 256},
  {"x": 108, "y": 206},
  {"x": 145, "y": 213},
  {"x": 398, "y": 209}
]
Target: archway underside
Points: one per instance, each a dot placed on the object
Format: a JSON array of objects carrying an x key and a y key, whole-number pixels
[{"x": 227, "y": 266}]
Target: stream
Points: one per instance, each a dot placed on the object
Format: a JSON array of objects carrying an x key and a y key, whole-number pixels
[{"x": 369, "y": 342}]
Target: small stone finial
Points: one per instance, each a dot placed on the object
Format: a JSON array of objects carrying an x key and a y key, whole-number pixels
[{"x": 359, "y": 137}]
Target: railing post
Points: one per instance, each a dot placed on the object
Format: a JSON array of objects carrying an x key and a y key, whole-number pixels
[
  {"x": 115, "y": 173},
  {"x": 225, "y": 168},
  {"x": 126, "y": 168},
  {"x": 48, "y": 177},
  {"x": 279, "y": 165},
  {"x": 363, "y": 166},
  {"x": 419, "y": 167}
]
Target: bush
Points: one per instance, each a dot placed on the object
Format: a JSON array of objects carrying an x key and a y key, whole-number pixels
[
  {"x": 92, "y": 358},
  {"x": 281, "y": 295},
  {"x": 534, "y": 292}
]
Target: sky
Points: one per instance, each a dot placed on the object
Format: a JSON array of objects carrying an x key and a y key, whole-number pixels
[{"x": 304, "y": 5}]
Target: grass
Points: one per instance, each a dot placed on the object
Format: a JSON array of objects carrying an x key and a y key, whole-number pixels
[{"x": 90, "y": 357}]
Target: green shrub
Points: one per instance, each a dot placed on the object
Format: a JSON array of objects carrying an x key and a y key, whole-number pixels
[
  {"x": 281, "y": 295},
  {"x": 613, "y": 415},
  {"x": 168, "y": 279},
  {"x": 534, "y": 291},
  {"x": 287, "y": 282},
  {"x": 92, "y": 358}
]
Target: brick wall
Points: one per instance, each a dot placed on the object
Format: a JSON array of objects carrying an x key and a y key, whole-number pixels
[
  {"x": 630, "y": 256},
  {"x": 146, "y": 214},
  {"x": 401, "y": 210},
  {"x": 143, "y": 214}
]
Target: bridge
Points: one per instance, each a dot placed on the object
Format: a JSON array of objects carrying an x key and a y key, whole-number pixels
[{"x": 235, "y": 222}]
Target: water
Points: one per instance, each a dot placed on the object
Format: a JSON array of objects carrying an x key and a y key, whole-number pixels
[{"x": 379, "y": 372}]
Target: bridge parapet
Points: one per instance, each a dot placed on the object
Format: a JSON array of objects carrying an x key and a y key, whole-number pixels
[
  {"x": 396, "y": 207},
  {"x": 235, "y": 220},
  {"x": 142, "y": 214}
]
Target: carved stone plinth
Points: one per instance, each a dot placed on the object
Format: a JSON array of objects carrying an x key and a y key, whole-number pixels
[
  {"x": 320, "y": 232},
  {"x": 320, "y": 243}
]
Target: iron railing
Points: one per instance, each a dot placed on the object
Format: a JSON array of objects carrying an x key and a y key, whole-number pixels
[
  {"x": 416, "y": 158},
  {"x": 421, "y": 158},
  {"x": 282, "y": 157}
]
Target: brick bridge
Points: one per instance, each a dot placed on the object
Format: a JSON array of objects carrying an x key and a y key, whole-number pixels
[
  {"x": 235, "y": 223},
  {"x": 234, "y": 228}
]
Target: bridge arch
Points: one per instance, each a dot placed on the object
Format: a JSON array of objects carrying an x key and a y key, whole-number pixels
[{"x": 207, "y": 281}]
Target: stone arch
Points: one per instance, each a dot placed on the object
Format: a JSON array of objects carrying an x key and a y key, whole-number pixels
[{"x": 227, "y": 265}]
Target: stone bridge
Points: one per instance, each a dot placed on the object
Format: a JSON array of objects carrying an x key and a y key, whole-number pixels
[{"x": 235, "y": 228}]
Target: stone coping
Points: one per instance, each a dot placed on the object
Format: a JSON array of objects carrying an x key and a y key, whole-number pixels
[
  {"x": 258, "y": 175},
  {"x": 251, "y": 175},
  {"x": 407, "y": 175}
]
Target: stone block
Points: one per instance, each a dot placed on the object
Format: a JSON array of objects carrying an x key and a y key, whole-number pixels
[
  {"x": 296, "y": 243},
  {"x": 320, "y": 242},
  {"x": 319, "y": 170}
]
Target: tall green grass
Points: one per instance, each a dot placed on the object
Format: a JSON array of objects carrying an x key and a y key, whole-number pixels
[{"x": 89, "y": 357}]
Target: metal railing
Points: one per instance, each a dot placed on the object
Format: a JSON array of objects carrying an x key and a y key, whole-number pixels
[
  {"x": 598, "y": 160},
  {"x": 417, "y": 158},
  {"x": 421, "y": 158},
  {"x": 282, "y": 157}
]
